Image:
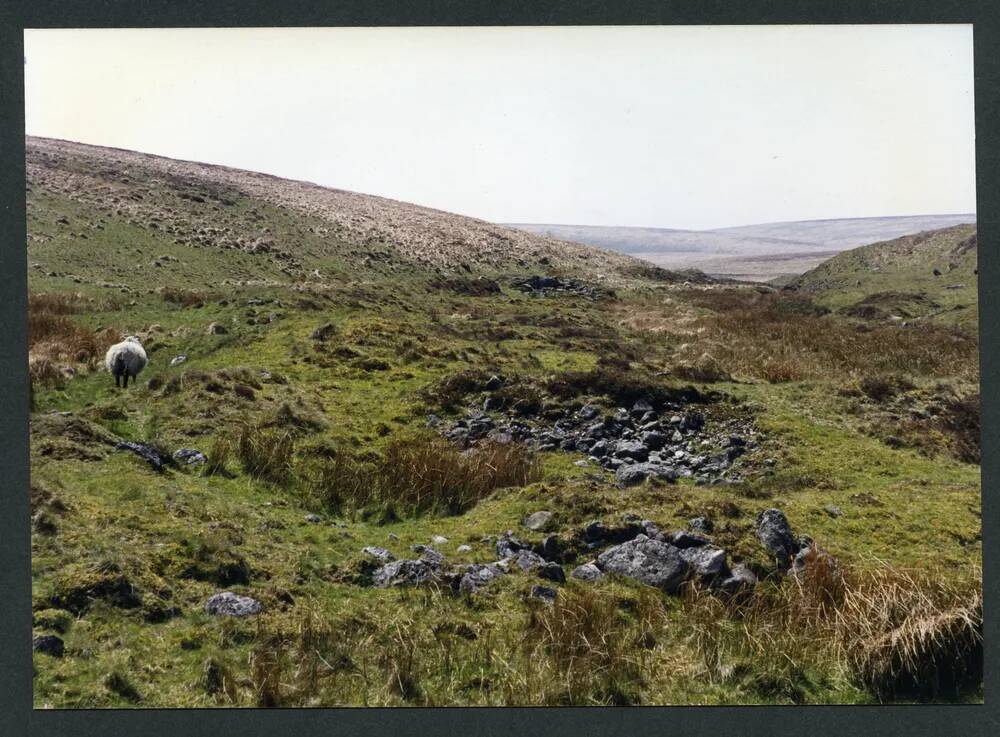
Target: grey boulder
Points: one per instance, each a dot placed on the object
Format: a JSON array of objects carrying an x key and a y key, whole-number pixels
[
  {"x": 405, "y": 573},
  {"x": 587, "y": 572},
  {"x": 650, "y": 561},
  {"x": 228, "y": 604},
  {"x": 635, "y": 473},
  {"x": 538, "y": 521},
  {"x": 775, "y": 533}
]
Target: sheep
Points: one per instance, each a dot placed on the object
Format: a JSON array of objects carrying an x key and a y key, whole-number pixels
[{"x": 125, "y": 359}]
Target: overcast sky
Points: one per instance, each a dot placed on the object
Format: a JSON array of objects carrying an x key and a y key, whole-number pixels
[{"x": 681, "y": 127}]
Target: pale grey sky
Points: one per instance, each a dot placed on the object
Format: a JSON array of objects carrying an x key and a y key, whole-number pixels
[{"x": 684, "y": 127}]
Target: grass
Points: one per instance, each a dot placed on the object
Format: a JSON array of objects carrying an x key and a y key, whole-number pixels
[
  {"x": 896, "y": 633},
  {"x": 337, "y": 427},
  {"x": 418, "y": 475}
]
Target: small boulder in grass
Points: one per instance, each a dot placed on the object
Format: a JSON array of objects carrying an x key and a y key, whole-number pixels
[
  {"x": 228, "y": 604},
  {"x": 588, "y": 572},
  {"x": 48, "y": 645},
  {"x": 189, "y": 457},
  {"x": 538, "y": 521},
  {"x": 775, "y": 533},
  {"x": 544, "y": 593},
  {"x": 378, "y": 553},
  {"x": 650, "y": 561}
]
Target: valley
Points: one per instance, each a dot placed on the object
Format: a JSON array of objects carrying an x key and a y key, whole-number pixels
[{"x": 384, "y": 455}]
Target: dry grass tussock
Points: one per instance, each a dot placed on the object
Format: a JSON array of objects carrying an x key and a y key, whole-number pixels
[
  {"x": 56, "y": 340},
  {"x": 898, "y": 634},
  {"x": 778, "y": 338},
  {"x": 581, "y": 650},
  {"x": 417, "y": 475}
]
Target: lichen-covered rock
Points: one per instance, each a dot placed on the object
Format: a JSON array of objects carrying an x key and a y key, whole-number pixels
[
  {"x": 228, "y": 604},
  {"x": 507, "y": 545},
  {"x": 775, "y": 533},
  {"x": 635, "y": 473},
  {"x": 476, "y": 576},
  {"x": 740, "y": 578},
  {"x": 705, "y": 560},
  {"x": 588, "y": 572},
  {"x": 650, "y": 561},
  {"x": 189, "y": 456},
  {"x": 380, "y": 554},
  {"x": 538, "y": 521},
  {"x": 526, "y": 560},
  {"x": 405, "y": 573}
]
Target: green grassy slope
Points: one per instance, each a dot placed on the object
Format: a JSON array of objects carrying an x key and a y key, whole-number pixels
[
  {"x": 123, "y": 557},
  {"x": 927, "y": 276}
]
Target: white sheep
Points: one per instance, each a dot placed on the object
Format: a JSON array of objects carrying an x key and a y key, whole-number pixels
[{"x": 126, "y": 359}]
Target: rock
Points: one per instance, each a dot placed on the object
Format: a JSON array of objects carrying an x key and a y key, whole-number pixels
[
  {"x": 641, "y": 407},
  {"x": 551, "y": 549},
  {"x": 706, "y": 560},
  {"x": 494, "y": 383},
  {"x": 654, "y": 440},
  {"x": 405, "y": 573},
  {"x": 635, "y": 473},
  {"x": 228, "y": 604},
  {"x": 313, "y": 519},
  {"x": 588, "y": 412},
  {"x": 552, "y": 572},
  {"x": 380, "y": 554},
  {"x": 538, "y": 521},
  {"x": 439, "y": 539},
  {"x": 48, "y": 645},
  {"x": 216, "y": 329},
  {"x": 464, "y": 549},
  {"x": 650, "y": 561},
  {"x": 544, "y": 593},
  {"x": 701, "y": 524},
  {"x": 740, "y": 578},
  {"x": 688, "y": 540},
  {"x": 587, "y": 572},
  {"x": 147, "y": 452},
  {"x": 600, "y": 449},
  {"x": 833, "y": 511},
  {"x": 775, "y": 533},
  {"x": 178, "y": 360},
  {"x": 428, "y": 554},
  {"x": 189, "y": 456},
  {"x": 632, "y": 449},
  {"x": 526, "y": 560},
  {"x": 507, "y": 545},
  {"x": 478, "y": 575}
]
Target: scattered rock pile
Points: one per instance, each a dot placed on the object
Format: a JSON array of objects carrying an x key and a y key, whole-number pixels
[
  {"x": 636, "y": 443},
  {"x": 636, "y": 549},
  {"x": 548, "y": 286}
]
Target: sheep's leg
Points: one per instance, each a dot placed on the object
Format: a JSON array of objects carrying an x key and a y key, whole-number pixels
[{"x": 118, "y": 380}]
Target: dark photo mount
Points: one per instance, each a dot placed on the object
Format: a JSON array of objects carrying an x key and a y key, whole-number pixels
[{"x": 20, "y": 716}]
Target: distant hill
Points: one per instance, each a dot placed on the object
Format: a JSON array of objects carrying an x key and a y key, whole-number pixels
[
  {"x": 90, "y": 205},
  {"x": 753, "y": 252},
  {"x": 929, "y": 275}
]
